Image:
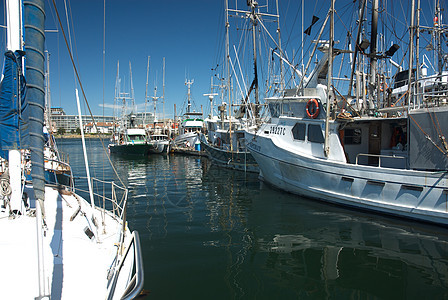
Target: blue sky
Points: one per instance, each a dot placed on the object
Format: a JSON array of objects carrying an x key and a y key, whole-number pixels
[{"x": 189, "y": 34}]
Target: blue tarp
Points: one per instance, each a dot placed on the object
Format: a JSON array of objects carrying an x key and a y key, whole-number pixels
[{"x": 13, "y": 106}]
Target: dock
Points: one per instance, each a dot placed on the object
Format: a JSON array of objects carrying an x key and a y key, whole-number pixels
[{"x": 188, "y": 151}]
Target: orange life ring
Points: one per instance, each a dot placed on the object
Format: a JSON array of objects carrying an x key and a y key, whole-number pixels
[{"x": 312, "y": 108}]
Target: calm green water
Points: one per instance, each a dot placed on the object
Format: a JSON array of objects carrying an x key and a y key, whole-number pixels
[{"x": 210, "y": 233}]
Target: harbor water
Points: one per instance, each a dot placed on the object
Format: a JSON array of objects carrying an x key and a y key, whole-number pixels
[{"x": 212, "y": 233}]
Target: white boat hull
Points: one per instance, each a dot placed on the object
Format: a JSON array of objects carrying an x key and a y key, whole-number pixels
[
  {"x": 406, "y": 193},
  {"x": 160, "y": 147},
  {"x": 188, "y": 140}
]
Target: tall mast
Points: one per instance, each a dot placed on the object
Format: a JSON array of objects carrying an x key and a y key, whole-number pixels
[
  {"x": 417, "y": 54},
  {"x": 302, "y": 58},
  {"x": 47, "y": 93},
  {"x": 280, "y": 50},
  {"x": 329, "y": 82},
  {"x": 228, "y": 76},
  {"x": 163, "y": 93},
  {"x": 373, "y": 50},
  {"x": 253, "y": 5},
  {"x": 438, "y": 32},
  {"x": 227, "y": 51},
  {"x": 188, "y": 83},
  {"x": 411, "y": 50},
  {"x": 132, "y": 88},
  {"x": 357, "y": 43},
  {"x": 146, "y": 91},
  {"x": 155, "y": 98}
]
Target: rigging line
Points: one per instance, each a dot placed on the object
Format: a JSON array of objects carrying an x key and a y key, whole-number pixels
[
  {"x": 69, "y": 36},
  {"x": 427, "y": 136},
  {"x": 104, "y": 79},
  {"x": 399, "y": 99},
  {"x": 293, "y": 24},
  {"x": 82, "y": 88},
  {"x": 437, "y": 127}
]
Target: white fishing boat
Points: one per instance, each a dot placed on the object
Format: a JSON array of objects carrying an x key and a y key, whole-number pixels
[
  {"x": 390, "y": 159},
  {"x": 55, "y": 244},
  {"x": 191, "y": 125},
  {"x": 160, "y": 143},
  {"x": 225, "y": 143}
]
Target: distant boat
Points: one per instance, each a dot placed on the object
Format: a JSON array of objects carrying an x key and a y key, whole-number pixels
[
  {"x": 128, "y": 138},
  {"x": 160, "y": 143},
  {"x": 130, "y": 141},
  {"x": 224, "y": 142},
  {"x": 55, "y": 244},
  {"x": 380, "y": 156},
  {"x": 225, "y": 146},
  {"x": 192, "y": 124}
]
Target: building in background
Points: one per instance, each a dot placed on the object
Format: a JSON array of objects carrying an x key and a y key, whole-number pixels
[{"x": 60, "y": 121}]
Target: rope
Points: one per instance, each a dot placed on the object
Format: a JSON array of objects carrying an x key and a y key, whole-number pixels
[
  {"x": 399, "y": 99},
  {"x": 5, "y": 188}
]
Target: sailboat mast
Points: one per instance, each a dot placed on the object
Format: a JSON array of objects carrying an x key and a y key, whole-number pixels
[
  {"x": 47, "y": 93},
  {"x": 14, "y": 43},
  {"x": 329, "y": 82}
]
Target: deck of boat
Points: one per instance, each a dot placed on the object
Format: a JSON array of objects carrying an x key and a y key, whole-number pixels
[{"x": 75, "y": 264}]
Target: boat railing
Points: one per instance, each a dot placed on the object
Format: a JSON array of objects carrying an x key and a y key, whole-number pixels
[
  {"x": 432, "y": 90},
  {"x": 136, "y": 283},
  {"x": 112, "y": 198},
  {"x": 379, "y": 156}
]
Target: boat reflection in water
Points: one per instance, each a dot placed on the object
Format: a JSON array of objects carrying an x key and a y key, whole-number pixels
[{"x": 276, "y": 244}]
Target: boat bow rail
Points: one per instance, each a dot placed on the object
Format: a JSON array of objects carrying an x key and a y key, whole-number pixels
[
  {"x": 136, "y": 284},
  {"x": 115, "y": 203}
]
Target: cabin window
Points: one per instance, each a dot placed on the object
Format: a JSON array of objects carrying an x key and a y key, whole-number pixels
[
  {"x": 315, "y": 134},
  {"x": 352, "y": 136},
  {"x": 274, "y": 108},
  {"x": 295, "y": 109},
  {"x": 298, "y": 131},
  {"x": 285, "y": 109}
]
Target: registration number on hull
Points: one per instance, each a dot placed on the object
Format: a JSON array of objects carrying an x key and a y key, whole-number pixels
[{"x": 280, "y": 130}]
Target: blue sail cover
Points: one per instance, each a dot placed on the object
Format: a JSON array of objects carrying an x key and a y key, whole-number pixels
[
  {"x": 34, "y": 21},
  {"x": 13, "y": 106}
]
